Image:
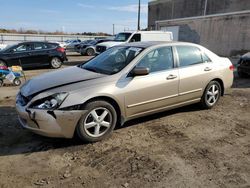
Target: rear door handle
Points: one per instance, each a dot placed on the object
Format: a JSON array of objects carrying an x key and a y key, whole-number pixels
[
  {"x": 171, "y": 77},
  {"x": 207, "y": 69}
]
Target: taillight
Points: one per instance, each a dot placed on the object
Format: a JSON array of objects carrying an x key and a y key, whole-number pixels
[
  {"x": 231, "y": 67},
  {"x": 60, "y": 49}
]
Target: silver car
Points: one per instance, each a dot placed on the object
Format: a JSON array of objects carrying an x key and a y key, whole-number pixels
[{"x": 123, "y": 83}]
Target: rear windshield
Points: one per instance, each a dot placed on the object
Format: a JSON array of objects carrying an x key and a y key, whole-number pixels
[{"x": 52, "y": 45}]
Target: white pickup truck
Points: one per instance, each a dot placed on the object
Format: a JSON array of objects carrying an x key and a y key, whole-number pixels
[{"x": 138, "y": 36}]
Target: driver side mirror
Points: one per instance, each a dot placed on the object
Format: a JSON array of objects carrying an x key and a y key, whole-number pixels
[{"x": 140, "y": 71}]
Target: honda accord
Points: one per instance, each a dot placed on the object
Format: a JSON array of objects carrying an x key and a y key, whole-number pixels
[{"x": 123, "y": 83}]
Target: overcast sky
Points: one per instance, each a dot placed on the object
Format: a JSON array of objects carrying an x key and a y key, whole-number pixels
[{"x": 72, "y": 15}]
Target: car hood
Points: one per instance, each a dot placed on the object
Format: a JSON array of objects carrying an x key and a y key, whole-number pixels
[
  {"x": 110, "y": 44},
  {"x": 57, "y": 79}
]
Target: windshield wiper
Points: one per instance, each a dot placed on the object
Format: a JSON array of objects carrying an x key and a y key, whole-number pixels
[{"x": 90, "y": 69}]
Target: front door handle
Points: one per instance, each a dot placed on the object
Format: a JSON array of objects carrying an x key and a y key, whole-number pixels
[
  {"x": 171, "y": 77},
  {"x": 207, "y": 69}
]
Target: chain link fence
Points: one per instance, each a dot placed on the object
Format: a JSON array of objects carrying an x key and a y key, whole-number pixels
[{"x": 15, "y": 38}]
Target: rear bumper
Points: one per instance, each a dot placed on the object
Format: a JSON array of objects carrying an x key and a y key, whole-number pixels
[{"x": 64, "y": 57}]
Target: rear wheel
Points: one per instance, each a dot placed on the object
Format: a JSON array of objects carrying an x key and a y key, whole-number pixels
[
  {"x": 56, "y": 63},
  {"x": 98, "y": 122},
  {"x": 17, "y": 82},
  {"x": 90, "y": 52},
  {"x": 2, "y": 63},
  {"x": 211, "y": 95}
]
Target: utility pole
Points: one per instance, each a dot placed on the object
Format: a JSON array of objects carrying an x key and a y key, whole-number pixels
[
  {"x": 139, "y": 16},
  {"x": 113, "y": 29},
  {"x": 205, "y": 8},
  {"x": 172, "y": 10}
]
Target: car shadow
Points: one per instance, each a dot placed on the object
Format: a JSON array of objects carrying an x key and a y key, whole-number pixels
[
  {"x": 73, "y": 63},
  {"x": 65, "y": 64},
  {"x": 16, "y": 140},
  {"x": 137, "y": 121}
]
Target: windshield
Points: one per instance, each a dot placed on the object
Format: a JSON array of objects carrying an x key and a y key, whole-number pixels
[
  {"x": 113, "y": 60},
  {"x": 122, "y": 37},
  {"x": 93, "y": 42}
]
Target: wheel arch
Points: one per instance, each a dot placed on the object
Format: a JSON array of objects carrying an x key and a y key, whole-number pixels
[
  {"x": 57, "y": 56},
  {"x": 221, "y": 84},
  {"x": 113, "y": 102}
]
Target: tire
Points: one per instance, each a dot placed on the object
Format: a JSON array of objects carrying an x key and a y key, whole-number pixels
[
  {"x": 56, "y": 63},
  {"x": 2, "y": 63},
  {"x": 90, "y": 52},
  {"x": 1, "y": 82},
  {"x": 92, "y": 127},
  {"x": 17, "y": 82},
  {"x": 211, "y": 95}
]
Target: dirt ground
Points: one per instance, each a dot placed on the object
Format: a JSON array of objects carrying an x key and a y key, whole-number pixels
[{"x": 186, "y": 147}]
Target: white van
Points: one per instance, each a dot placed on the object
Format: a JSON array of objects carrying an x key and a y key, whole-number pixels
[{"x": 138, "y": 36}]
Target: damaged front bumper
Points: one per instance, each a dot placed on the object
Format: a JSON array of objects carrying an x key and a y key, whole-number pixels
[{"x": 56, "y": 123}]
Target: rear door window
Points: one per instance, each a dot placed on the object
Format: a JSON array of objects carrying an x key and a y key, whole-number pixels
[
  {"x": 205, "y": 58},
  {"x": 52, "y": 45},
  {"x": 189, "y": 55},
  {"x": 40, "y": 46}
]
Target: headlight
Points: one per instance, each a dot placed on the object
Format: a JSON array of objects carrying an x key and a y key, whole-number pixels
[{"x": 50, "y": 102}]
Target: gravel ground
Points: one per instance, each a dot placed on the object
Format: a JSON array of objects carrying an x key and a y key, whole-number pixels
[{"x": 186, "y": 147}]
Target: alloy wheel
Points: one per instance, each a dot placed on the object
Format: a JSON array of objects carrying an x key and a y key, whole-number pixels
[
  {"x": 56, "y": 63},
  {"x": 98, "y": 122},
  {"x": 90, "y": 52},
  {"x": 212, "y": 94}
]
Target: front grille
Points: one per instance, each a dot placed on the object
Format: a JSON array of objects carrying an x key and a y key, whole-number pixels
[
  {"x": 22, "y": 100},
  {"x": 101, "y": 49}
]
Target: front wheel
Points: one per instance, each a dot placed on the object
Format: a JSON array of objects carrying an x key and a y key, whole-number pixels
[
  {"x": 211, "y": 95},
  {"x": 56, "y": 63},
  {"x": 98, "y": 122},
  {"x": 90, "y": 52}
]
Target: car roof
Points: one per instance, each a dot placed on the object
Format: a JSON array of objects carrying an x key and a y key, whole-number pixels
[
  {"x": 246, "y": 56},
  {"x": 27, "y": 42},
  {"x": 154, "y": 43}
]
